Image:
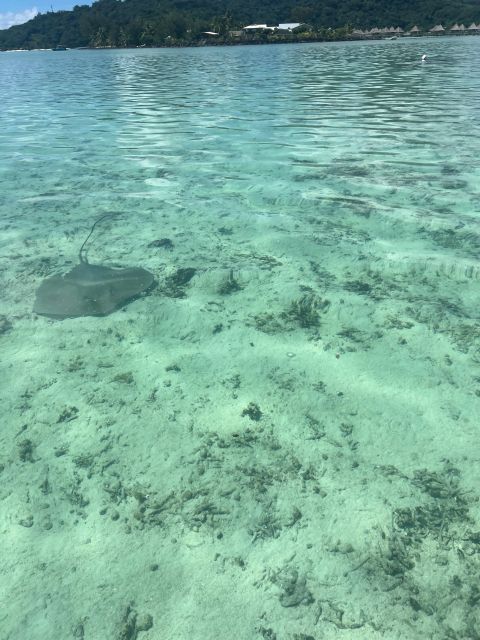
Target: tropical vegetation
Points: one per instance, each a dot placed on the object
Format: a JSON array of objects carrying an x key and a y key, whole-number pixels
[{"x": 133, "y": 23}]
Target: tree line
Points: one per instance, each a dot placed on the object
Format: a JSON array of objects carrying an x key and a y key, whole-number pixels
[{"x": 133, "y": 23}]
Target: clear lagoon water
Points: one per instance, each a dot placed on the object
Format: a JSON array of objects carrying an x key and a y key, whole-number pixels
[{"x": 280, "y": 439}]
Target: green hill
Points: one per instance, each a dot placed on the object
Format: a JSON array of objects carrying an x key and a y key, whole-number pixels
[{"x": 158, "y": 22}]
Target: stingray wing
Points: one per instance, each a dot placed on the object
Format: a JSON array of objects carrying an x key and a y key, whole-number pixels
[{"x": 90, "y": 290}]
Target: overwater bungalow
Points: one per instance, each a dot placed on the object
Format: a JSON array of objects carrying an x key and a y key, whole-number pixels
[
  {"x": 414, "y": 31},
  {"x": 375, "y": 31},
  {"x": 438, "y": 28},
  {"x": 457, "y": 28}
]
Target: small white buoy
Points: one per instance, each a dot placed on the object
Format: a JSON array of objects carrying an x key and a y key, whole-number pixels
[{"x": 424, "y": 57}]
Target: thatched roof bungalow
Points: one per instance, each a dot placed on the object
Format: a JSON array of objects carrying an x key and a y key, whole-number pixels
[
  {"x": 438, "y": 28},
  {"x": 375, "y": 31}
]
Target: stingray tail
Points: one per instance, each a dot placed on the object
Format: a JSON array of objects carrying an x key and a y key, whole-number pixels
[{"x": 81, "y": 257}]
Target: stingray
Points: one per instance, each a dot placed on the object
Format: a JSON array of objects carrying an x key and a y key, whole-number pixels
[{"x": 90, "y": 289}]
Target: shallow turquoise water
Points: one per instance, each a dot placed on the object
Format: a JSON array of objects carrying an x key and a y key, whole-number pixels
[
  {"x": 362, "y": 118},
  {"x": 328, "y": 198}
]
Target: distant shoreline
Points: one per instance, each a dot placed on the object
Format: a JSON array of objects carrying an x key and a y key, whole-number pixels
[{"x": 254, "y": 41}]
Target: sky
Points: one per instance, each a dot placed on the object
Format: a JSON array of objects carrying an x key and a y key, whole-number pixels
[{"x": 18, "y": 11}]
